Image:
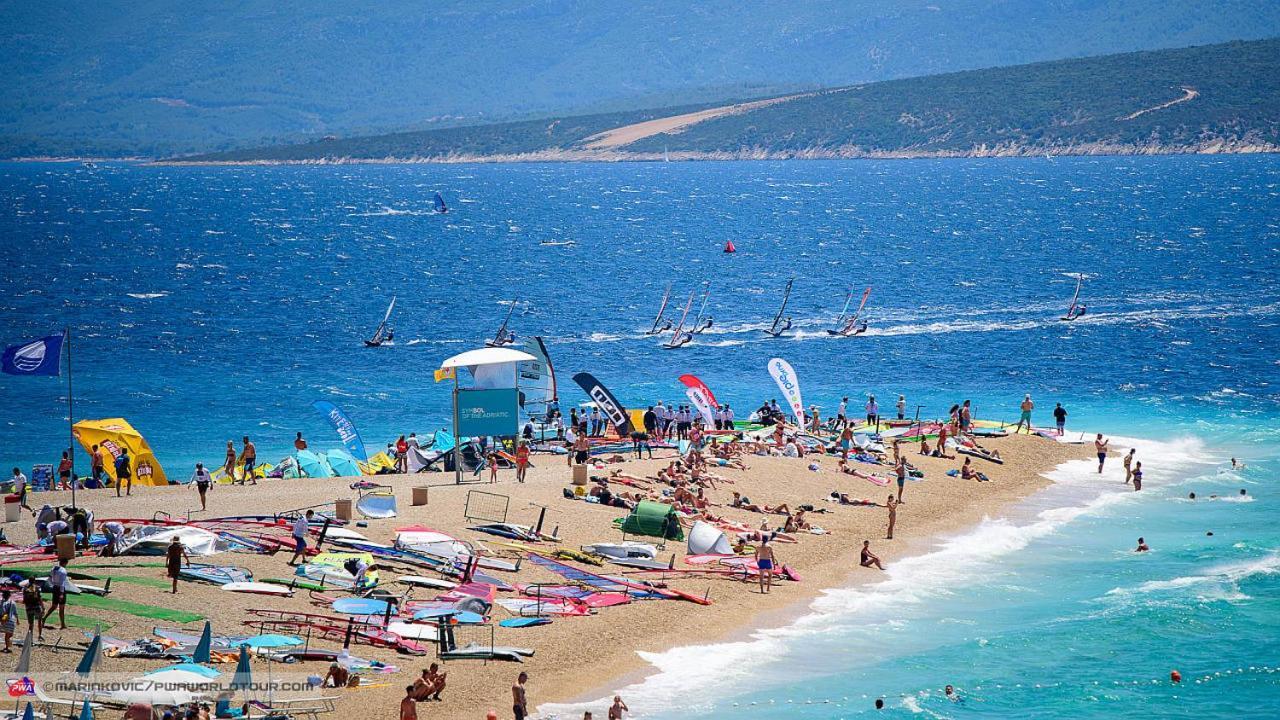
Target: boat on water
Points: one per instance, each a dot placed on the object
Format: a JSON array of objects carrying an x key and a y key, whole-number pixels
[
  {"x": 385, "y": 333},
  {"x": 855, "y": 324},
  {"x": 558, "y": 243},
  {"x": 440, "y": 206},
  {"x": 504, "y": 336},
  {"x": 703, "y": 321},
  {"x": 1075, "y": 310},
  {"x": 780, "y": 324},
  {"x": 679, "y": 337},
  {"x": 659, "y": 324}
]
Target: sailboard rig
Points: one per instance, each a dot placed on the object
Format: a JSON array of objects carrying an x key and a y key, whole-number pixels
[
  {"x": 702, "y": 321},
  {"x": 538, "y": 391},
  {"x": 679, "y": 337},
  {"x": 384, "y": 334},
  {"x": 504, "y": 336},
  {"x": 779, "y": 325},
  {"x": 855, "y": 324},
  {"x": 440, "y": 206},
  {"x": 1075, "y": 310},
  {"x": 659, "y": 325}
]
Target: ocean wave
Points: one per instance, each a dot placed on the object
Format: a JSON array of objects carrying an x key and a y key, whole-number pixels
[
  {"x": 1221, "y": 582},
  {"x": 388, "y": 211},
  {"x": 147, "y": 296}
]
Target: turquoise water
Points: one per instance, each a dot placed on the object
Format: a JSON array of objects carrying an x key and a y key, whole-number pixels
[{"x": 208, "y": 303}]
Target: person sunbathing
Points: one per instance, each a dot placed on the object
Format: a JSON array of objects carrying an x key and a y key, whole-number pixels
[
  {"x": 844, "y": 499},
  {"x": 743, "y": 503}
]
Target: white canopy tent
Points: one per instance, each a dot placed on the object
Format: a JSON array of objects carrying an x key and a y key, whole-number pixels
[{"x": 491, "y": 368}]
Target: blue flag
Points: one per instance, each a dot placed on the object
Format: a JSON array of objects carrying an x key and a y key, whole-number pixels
[
  {"x": 344, "y": 427},
  {"x": 38, "y": 357}
]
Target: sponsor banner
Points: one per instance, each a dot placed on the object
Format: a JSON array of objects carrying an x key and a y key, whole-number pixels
[
  {"x": 789, "y": 384},
  {"x": 344, "y": 427},
  {"x": 608, "y": 404},
  {"x": 490, "y": 412}
]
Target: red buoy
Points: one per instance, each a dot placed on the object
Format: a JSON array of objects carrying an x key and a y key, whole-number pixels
[
  {"x": 728, "y": 247},
  {"x": 1175, "y": 676}
]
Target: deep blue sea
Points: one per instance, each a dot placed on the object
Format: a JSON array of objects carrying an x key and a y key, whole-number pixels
[{"x": 209, "y": 303}]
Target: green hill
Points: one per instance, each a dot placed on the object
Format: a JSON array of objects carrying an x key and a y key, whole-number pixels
[
  {"x": 1211, "y": 98},
  {"x": 155, "y": 77}
]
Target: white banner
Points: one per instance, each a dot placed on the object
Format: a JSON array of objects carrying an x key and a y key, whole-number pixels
[
  {"x": 699, "y": 399},
  {"x": 789, "y": 384}
]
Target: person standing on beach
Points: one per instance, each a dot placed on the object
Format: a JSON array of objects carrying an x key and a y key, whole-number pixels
[
  {"x": 651, "y": 421},
  {"x": 301, "y": 527},
  {"x": 873, "y": 412},
  {"x": 95, "y": 466},
  {"x": 842, "y": 420},
  {"x": 57, "y": 594},
  {"x": 522, "y": 460},
  {"x": 618, "y": 707},
  {"x": 582, "y": 448},
  {"x": 408, "y": 708},
  {"x": 8, "y": 619},
  {"x": 1128, "y": 465},
  {"x": 893, "y": 516},
  {"x": 764, "y": 563},
  {"x": 229, "y": 465},
  {"x": 901, "y": 468},
  {"x": 966, "y": 417},
  {"x": 902, "y": 407},
  {"x": 1100, "y": 445},
  {"x": 203, "y": 481},
  {"x": 173, "y": 557},
  {"x": 1026, "y": 407},
  {"x": 20, "y": 489},
  {"x": 1137, "y": 476},
  {"x": 299, "y": 443},
  {"x": 520, "y": 701},
  {"x": 1060, "y": 416},
  {"x": 124, "y": 472},
  {"x": 64, "y": 471},
  {"x": 846, "y": 442},
  {"x": 33, "y": 603},
  {"x": 248, "y": 458},
  {"x": 869, "y": 558}
]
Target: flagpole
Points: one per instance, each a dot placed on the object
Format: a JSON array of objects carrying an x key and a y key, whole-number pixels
[{"x": 71, "y": 418}]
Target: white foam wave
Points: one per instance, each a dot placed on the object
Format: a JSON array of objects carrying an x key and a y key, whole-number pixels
[
  {"x": 386, "y": 211},
  {"x": 1221, "y": 582},
  {"x": 147, "y": 296}
]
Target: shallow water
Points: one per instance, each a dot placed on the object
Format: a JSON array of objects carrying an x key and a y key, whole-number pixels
[{"x": 208, "y": 303}]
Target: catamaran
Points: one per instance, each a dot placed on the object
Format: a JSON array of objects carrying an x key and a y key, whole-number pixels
[
  {"x": 1075, "y": 310},
  {"x": 679, "y": 337},
  {"x": 504, "y": 336},
  {"x": 385, "y": 333},
  {"x": 702, "y": 321},
  {"x": 440, "y": 206},
  {"x": 850, "y": 325},
  {"x": 660, "y": 325},
  {"x": 780, "y": 326}
]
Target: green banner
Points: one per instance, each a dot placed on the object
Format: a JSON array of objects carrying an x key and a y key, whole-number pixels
[{"x": 488, "y": 412}]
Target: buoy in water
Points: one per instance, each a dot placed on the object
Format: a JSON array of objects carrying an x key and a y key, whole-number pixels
[
  {"x": 1175, "y": 676},
  {"x": 728, "y": 246}
]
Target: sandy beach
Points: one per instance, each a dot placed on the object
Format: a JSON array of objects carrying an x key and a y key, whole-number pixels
[{"x": 577, "y": 657}]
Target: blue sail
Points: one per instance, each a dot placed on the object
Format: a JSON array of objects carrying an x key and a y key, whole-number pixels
[{"x": 440, "y": 206}]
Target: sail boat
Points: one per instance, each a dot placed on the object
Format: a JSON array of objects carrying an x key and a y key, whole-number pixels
[
  {"x": 657, "y": 321},
  {"x": 679, "y": 337},
  {"x": 440, "y": 206},
  {"x": 1075, "y": 310},
  {"x": 702, "y": 321},
  {"x": 384, "y": 333},
  {"x": 504, "y": 336},
  {"x": 779, "y": 326},
  {"x": 851, "y": 326}
]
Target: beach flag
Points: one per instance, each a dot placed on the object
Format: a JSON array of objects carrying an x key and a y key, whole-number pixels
[
  {"x": 446, "y": 374},
  {"x": 37, "y": 357}
]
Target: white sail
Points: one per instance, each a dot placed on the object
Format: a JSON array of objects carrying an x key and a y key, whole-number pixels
[
  {"x": 538, "y": 378},
  {"x": 379, "y": 334},
  {"x": 676, "y": 339},
  {"x": 852, "y": 323},
  {"x": 661, "y": 309}
]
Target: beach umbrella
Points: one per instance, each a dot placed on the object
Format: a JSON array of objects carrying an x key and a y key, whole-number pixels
[
  {"x": 92, "y": 655},
  {"x": 24, "y": 657},
  {"x": 204, "y": 673},
  {"x": 343, "y": 464},
  {"x": 86, "y": 711},
  {"x": 201, "y": 655},
  {"x": 180, "y": 678},
  {"x": 244, "y": 674}
]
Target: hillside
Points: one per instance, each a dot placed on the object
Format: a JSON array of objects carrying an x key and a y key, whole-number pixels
[
  {"x": 152, "y": 78},
  {"x": 1213, "y": 98}
]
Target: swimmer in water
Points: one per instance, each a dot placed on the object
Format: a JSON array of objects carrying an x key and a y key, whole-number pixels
[
  {"x": 1142, "y": 546},
  {"x": 951, "y": 694},
  {"x": 1192, "y": 496},
  {"x": 1237, "y": 465},
  {"x": 1243, "y": 492}
]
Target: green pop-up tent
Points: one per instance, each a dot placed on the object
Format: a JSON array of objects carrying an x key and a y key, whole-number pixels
[{"x": 654, "y": 520}]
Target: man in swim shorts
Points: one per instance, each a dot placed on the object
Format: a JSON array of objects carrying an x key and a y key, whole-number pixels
[
  {"x": 1027, "y": 406},
  {"x": 765, "y": 562},
  {"x": 1101, "y": 446}
]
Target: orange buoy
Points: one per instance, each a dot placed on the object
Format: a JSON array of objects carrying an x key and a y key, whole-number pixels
[
  {"x": 1175, "y": 676},
  {"x": 728, "y": 247}
]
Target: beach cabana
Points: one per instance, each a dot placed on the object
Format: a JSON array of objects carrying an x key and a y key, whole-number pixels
[{"x": 653, "y": 519}]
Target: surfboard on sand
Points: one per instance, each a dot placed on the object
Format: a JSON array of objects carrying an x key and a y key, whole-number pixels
[{"x": 258, "y": 588}]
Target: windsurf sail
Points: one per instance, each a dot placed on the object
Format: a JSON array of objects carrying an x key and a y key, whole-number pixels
[
  {"x": 440, "y": 206},
  {"x": 701, "y": 321},
  {"x": 777, "y": 319},
  {"x": 844, "y": 312},
  {"x": 666, "y": 297},
  {"x": 380, "y": 335},
  {"x": 1073, "y": 311},
  {"x": 538, "y": 379},
  {"x": 680, "y": 337},
  {"x": 504, "y": 336},
  {"x": 851, "y": 325}
]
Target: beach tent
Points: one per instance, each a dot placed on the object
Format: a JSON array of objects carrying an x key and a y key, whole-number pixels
[
  {"x": 313, "y": 465},
  {"x": 418, "y": 459},
  {"x": 110, "y": 436},
  {"x": 378, "y": 464},
  {"x": 706, "y": 539},
  {"x": 343, "y": 464},
  {"x": 654, "y": 520}
]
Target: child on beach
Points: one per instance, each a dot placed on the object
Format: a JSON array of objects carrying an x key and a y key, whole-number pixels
[
  {"x": 892, "y": 505},
  {"x": 492, "y": 460},
  {"x": 8, "y": 619}
]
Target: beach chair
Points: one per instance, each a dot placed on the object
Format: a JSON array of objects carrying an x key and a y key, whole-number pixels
[{"x": 310, "y": 707}]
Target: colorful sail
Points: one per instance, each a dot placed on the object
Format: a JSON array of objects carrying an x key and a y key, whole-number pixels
[{"x": 679, "y": 336}]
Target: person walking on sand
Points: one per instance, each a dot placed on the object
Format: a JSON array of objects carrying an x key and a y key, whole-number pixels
[
  {"x": 1128, "y": 465},
  {"x": 892, "y": 504},
  {"x": 618, "y": 707},
  {"x": 522, "y": 460},
  {"x": 1137, "y": 476},
  {"x": 408, "y": 708},
  {"x": 229, "y": 465},
  {"x": 301, "y": 527},
  {"x": 1027, "y": 406},
  {"x": 846, "y": 442},
  {"x": 173, "y": 557},
  {"x": 20, "y": 489},
  {"x": 8, "y": 619},
  {"x": 1060, "y": 417},
  {"x": 901, "y": 468},
  {"x": 57, "y": 594},
  {"x": 764, "y": 563},
  {"x": 33, "y": 604},
  {"x": 124, "y": 472},
  {"x": 869, "y": 558},
  {"x": 95, "y": 466},
  {"x": 520, "y": 701},
  {"x": 249, "y": 459},
  {"x": 1101, "y": 446},
  {"x": 202, "y": 481}
]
